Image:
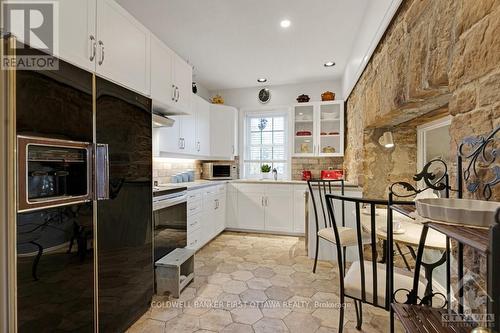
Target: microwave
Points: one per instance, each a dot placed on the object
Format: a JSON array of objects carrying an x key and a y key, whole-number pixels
[
  {"x": 53, "y": 173},
  {"x": 219, "y": 171}
]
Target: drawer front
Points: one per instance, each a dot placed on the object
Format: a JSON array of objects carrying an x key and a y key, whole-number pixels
[
  {"x": 194, "y": 195},
  {"x": 194, "y": 207},
  {"x": 193, "y": 222},
  {"x": 194, "y": 239}
]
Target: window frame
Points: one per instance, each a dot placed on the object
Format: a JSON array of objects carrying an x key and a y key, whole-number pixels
[{"x": 266, "y": 112}]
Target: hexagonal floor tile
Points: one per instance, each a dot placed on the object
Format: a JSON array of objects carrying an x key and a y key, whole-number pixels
[
  {"x": 215, "y": 320},
  {"x": 281, "y": 281},
  {"x": 276, "y": 312},
  {"x": 219, "y": 278},
  {"x": 252, "y": 295},
  {"x": 242, "y": 275},
  {"x": 279, "y": 293},
  {"x": 270, "y": 325},
  {"x": 183, "y": 324},
  {"x": 258, "y": 283},
  {"x": 327, "y": 317},
  {"x": 264, "y": 272},
  {"x": 237, "y": 328},
  {"x": 234, "y": 287},
  {"x": 301, "y": 322},
  {"x": 246, "y": 315},
  {"x": 147, "y": 326},
  {"x": 209, "y": 291}
]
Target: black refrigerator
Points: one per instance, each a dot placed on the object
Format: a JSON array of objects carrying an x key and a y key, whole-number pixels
[{"x": 84, "y": 246}]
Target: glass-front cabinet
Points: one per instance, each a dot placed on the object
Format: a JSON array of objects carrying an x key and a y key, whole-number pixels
[{"x": 319, "y": 129}]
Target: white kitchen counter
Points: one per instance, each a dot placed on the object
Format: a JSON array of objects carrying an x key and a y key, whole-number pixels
[{"x": 281, "y": 181}]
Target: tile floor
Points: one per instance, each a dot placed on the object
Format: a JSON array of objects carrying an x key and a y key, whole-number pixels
[{"x": 257, "y": 283}]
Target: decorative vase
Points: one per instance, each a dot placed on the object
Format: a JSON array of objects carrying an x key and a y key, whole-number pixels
[{"x": 265, "y": 175}]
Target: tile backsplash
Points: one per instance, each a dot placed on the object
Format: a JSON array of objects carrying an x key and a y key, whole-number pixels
[
  {"x": 164, "y": 168},
  {"x": 315, "y": 165}
]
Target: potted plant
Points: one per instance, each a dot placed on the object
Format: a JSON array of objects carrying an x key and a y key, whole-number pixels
[{"x": 264, "y": 170}]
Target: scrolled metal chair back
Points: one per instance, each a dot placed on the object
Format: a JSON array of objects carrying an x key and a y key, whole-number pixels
[{"x": 482, "y": 172}]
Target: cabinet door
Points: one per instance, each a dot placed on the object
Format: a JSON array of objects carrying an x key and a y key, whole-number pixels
[
  {"x": 162, "y": 91},
  {"x": 305, "y": 129},
  {"x": 222, "y": 132},
  {"x": 231, "y": 206},
  {"x": 220, "y": 213},
  {"x": 279, "y": 211},
  {"x": 250, "y": 211},
  {"x": 300, "y": 198},
  {"x": 169, "y": 138},
  {"x": 123, "y": 47},
  {"x": 331, "y": 129},
  {"x": 202, "y": 109},
  {"x": 77, "y": 36},
  {"x": 183, "y": 80},
  {"x": 188, "y": 134}
]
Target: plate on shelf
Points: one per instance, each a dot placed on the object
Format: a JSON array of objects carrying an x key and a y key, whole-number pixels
[{"x": 303, "y": 133}]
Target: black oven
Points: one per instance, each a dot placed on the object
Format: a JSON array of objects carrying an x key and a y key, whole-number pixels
[{"x": 170, "y": 220}]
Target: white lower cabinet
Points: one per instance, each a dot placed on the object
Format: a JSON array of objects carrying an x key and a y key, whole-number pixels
[
  {"x": 270, "y": 207},
  {"x": 251, "y": 212},
  {"x": 206, "y": 215},
  {"x": 301, "y": 199}
]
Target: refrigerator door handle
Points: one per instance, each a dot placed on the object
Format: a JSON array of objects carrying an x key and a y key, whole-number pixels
[{"x": 101, "y": 171}]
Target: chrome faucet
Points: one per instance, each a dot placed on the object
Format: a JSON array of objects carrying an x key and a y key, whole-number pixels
[{"x": 275, "y": 174}]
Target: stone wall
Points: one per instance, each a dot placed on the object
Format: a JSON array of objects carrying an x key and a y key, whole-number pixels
[{"x": 437, "y": 57}]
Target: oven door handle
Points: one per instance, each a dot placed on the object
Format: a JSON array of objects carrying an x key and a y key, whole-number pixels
[
  {"x": 101, "y": 171},
  {"x": 169, "y": 202}
]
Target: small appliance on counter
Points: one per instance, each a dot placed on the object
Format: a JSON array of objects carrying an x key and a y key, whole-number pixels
[
  {"x": 219, "y": 171},
  {"x": 306, "y": 175},
  {"x": 331, "y": 174}
]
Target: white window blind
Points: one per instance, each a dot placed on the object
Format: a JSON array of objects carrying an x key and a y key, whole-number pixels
[{"x": 265, "y": 143}]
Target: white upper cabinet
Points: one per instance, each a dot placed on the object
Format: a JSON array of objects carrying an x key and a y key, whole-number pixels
[
  {"x": 202, "y": 113},
  {"x": 77, "y": 35},
  {"x": 162, "y": 76},
  {"x": 171, "y": 80},
  {"x": 318, "y": 129},
  {"x": 223, "y": 134},
  {"x": 183, "y": 83},
  {"x": 123, "y": 47}
]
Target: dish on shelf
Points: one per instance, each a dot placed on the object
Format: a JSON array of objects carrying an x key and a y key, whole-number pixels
[
  {"x": 328, "y": 96},
  {"x": 324, "y": 133},
  {"x": 303, "y": 133},
  {"x": 303, "y": 98},
  {"x": 476, "y": 213},
  {"x": 304, "y": 148},
  {"x": 330, "y": 116},
  {"x": 328, "y": 150},
  {"x": 333, "y": 133}
]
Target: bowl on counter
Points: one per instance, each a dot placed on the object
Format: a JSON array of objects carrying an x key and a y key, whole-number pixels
[{"x": 476, "y": 213}]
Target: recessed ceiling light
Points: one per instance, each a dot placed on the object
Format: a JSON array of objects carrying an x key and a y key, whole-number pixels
[
  {"x": 285, "y": 23},
  {"x": 329, "y": 64},
  {"x": 261, "y": 80}
]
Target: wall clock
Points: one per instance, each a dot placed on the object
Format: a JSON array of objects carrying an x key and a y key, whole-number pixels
[{"x": 264, "y": 95}]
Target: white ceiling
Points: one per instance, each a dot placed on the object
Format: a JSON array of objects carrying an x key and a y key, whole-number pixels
[{"x": 233, "y": 42}]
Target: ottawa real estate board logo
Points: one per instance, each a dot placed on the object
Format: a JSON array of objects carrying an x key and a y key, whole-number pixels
[{"x": 35, "y": 25}]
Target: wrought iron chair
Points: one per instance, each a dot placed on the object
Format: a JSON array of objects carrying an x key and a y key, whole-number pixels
[
  {"x": 324, "y": 228},
  {"x": 481, "y": 153},
  {"x": 366, "y": 280}
]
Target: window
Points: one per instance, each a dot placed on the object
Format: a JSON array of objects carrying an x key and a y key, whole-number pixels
[{"x": 265, "y": 143}]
